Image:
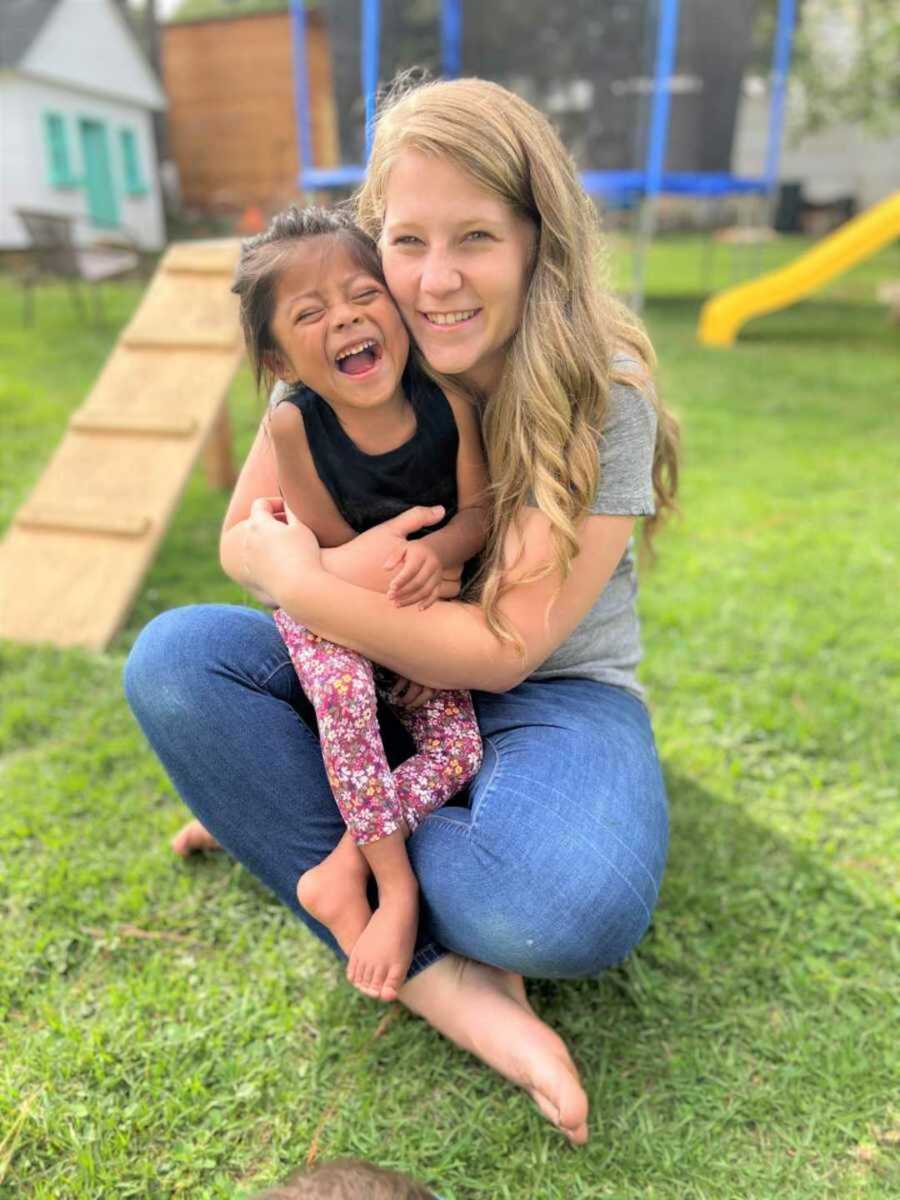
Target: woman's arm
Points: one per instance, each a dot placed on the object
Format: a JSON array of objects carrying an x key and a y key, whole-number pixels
[
  {"x": 360, "y": 561},
  {"x": 448, "y": 645}
]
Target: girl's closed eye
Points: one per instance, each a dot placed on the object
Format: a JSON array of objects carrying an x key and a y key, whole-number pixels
[{"x": 307, "y": 313}]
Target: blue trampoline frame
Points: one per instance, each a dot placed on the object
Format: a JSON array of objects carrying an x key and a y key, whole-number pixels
[{"x": 649, "y": 183}]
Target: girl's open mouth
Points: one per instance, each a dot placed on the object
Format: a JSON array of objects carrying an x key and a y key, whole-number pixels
[{"x": 360, "y": 359}]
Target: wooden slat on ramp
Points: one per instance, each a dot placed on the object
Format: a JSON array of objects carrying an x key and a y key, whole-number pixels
[{"x": 77, "y": 551}]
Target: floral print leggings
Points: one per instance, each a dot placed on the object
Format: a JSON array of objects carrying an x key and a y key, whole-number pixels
[{"x": 342, "y": 687}]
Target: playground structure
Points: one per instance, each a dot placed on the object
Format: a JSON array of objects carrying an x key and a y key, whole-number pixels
[
  {"x": 646, "y": 95},
  {"x": 723, "y": 315},
  {"x": 76, "y": 552}
]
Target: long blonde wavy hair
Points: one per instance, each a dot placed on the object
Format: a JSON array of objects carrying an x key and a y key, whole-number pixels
[{"x": 542, "y": 423}]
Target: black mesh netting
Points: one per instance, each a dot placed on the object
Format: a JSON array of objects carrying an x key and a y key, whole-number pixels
[{"x": 588, "y": 65}]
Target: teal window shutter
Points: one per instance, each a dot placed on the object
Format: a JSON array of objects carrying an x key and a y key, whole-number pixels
[
  {"x": 59, "y": 166},
  {"x": 134, "y": 180}
]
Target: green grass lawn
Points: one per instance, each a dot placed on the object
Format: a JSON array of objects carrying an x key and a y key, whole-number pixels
[{"x": 167, "y": 1030}]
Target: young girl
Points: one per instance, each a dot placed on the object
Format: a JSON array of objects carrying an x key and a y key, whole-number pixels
[{"x": 361, "y": 434}]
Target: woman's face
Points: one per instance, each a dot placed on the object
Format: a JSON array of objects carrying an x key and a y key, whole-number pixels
[{"x": 457, "y": 260}]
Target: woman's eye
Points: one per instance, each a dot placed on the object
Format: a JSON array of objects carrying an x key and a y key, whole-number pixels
[
  {"x": 478, "y": 235},
  {"x": 406, "y": 239}
]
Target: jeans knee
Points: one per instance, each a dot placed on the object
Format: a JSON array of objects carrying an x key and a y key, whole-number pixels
[
  {"x": 608, "y": 928},
  {"x": 151, "y": 678},
  {"x": 586, "y": 931}
]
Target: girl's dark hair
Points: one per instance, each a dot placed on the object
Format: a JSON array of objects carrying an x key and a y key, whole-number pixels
[
  {"x": 347, "y": 1179},
  {"x": 263, "y": 258}
]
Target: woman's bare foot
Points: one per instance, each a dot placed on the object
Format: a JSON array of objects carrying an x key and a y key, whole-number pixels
[
  {"x": 191, "y": 837},
  {"x": 484, "y": 1010},
  {"x": 334, "y": 893},
  {"x": 382, "y": 955}
]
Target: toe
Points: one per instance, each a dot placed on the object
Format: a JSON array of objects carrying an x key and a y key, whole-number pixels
[{"x": 390, "y": 989}]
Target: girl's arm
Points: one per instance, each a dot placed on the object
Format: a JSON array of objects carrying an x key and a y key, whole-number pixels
[
  {"x": 304, "y": 492},
  {"x": 360, "y": 561},
  {"x": 463, "y": 537},
  {"x": 417, "y": 566},
  {"x": 448, "y": 645}
]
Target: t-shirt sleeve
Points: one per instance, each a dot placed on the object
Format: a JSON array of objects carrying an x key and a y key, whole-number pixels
[
  {"x": 626, "y": 448},
  {"x": 279, "y": 390}
]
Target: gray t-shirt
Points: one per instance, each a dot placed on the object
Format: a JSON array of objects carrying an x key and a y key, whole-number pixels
[{"x": 606, "y": 645}]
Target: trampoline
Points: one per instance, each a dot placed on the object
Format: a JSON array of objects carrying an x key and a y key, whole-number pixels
[{"x": 645, "y": 93}]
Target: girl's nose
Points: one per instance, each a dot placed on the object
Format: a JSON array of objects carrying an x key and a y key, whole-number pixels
[{"x": 344, "y": 317}]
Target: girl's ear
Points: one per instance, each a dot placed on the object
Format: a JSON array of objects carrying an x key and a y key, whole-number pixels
[{"x": 276, "y": 366}]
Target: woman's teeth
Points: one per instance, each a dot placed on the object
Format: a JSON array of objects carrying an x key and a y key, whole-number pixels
[{"x": 451, "y": 318}]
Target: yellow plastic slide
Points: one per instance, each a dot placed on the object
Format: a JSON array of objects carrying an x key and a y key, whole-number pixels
[{"x": 723, "y": 315}]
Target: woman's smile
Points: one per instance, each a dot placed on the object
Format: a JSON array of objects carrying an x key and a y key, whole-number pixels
[
  {"x": 451, "y": 320},
  {"x": 457, "y": 259}
]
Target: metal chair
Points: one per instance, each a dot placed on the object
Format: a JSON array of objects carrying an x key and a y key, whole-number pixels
[{"x": 54, "y": 254}]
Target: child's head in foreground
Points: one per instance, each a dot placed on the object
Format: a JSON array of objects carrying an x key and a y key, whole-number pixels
[
  {"x": 347, "y": 1179},
  {"x": 315, "y": 309}
]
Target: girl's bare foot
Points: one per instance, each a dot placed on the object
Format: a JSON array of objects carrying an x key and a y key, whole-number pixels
[
  {"x": 382, "y": 955},
  {"x": 484, "y": 1010},
  {"x": 191, "y": 837},
  {"x": 334, "y": 893}
]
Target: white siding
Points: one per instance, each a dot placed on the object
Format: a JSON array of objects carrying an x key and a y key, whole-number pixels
[
  {"x": 86, "y": 43},
  {"x": 840, "y": 161},
  {"x": 24, "y": 176}
]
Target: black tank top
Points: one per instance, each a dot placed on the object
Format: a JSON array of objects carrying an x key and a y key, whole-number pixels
[{"x": 371, "y": 488}]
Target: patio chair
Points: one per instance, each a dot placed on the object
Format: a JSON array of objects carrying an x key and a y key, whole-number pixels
[{"x": 54, "y": 254}]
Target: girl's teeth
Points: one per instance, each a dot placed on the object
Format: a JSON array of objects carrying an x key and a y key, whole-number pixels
[
  {"x": 355, "y": 349},
  {"x": 451, "y": 318}
]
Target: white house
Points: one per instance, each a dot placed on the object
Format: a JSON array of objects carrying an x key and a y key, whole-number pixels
[{"x": 77, "y": 98}]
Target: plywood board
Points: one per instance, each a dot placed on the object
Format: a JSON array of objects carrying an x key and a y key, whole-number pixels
[
  {"x": 77, "y": 551},
  {"x": 186, "y": 310}
]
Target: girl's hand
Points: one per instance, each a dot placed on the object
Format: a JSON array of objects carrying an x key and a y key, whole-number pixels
[
  {"x": 275, "y": 546},
  {"x": 410, "y": 695},
  {"x": 361, "y": 561},
  {"x": 418, "y": 573}
]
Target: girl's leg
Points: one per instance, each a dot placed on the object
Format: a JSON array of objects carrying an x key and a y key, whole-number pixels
[
  {"x": 448, "y": 754},
  {"x": 341, "y": 685},
  {"x": 217, "y": 697}
]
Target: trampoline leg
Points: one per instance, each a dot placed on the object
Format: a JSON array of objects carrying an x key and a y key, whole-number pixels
[{"x": 646, "y": 228}]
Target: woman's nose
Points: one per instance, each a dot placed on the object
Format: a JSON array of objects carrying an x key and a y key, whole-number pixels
[{"x": 440, "y": 276}]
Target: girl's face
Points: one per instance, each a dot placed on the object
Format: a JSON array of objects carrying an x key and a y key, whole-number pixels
[
  {"x": 458, "y": 261},
  {"x": 337, "y": 329}
]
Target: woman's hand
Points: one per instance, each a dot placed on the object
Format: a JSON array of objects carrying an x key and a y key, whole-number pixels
[{"x": 275, "y": 545}]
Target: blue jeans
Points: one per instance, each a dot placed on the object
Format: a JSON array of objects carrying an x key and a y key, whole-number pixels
[{"x": 550, "y": 865}]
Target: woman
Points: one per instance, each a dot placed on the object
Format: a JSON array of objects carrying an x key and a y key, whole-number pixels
[{"x": 490, "y": 248}]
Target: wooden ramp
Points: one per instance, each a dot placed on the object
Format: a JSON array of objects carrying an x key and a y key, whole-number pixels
[{"x": 76, "y": 552}]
